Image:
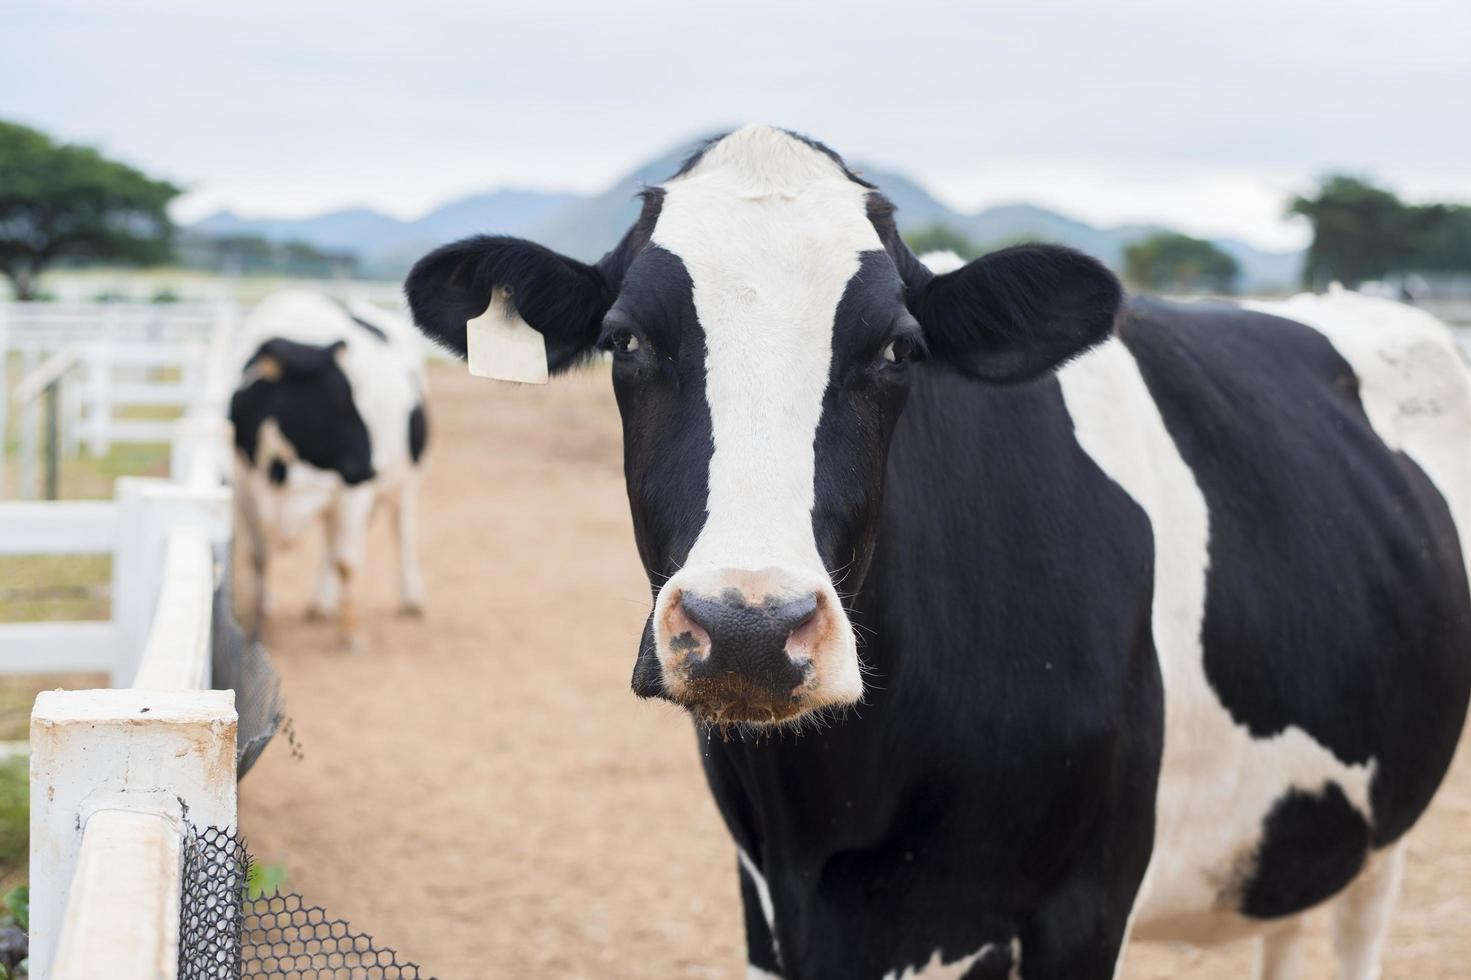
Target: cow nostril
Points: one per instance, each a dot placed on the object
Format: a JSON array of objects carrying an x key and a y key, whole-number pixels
[
  {"x": 799, "y": 612},
  {"x": 730, "y": 612}
]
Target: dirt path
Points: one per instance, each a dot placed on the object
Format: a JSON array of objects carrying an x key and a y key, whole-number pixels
[{"x": 480, "y": 789}]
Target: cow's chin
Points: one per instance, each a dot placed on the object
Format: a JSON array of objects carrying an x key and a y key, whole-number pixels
[{"x": 720, "y": 703}]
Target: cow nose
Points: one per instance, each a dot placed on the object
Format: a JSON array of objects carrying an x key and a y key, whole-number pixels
[{"x": 749, "y": 640}]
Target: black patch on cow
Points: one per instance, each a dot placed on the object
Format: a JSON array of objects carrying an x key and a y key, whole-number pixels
[
  {"x": 667, "y": 434},
  {"x": 1313, "y": 844},
  {"x": 418, "y": 432},
  {"x": 863, "y": 401},
  {"x": 1336, "y": 595},
  {"x": 999, "y": 780},
  {"x": 277, "y": 472},
  {"x": 311, "y": 401}
]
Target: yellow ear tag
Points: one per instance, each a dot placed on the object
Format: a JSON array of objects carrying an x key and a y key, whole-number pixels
[{"x": 503, "y": 346}]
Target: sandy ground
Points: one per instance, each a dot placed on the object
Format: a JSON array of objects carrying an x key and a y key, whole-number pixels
[{"x": 479, "y": 788}]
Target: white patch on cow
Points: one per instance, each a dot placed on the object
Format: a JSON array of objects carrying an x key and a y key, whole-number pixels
[
  {"x": 770, "y": 231},
  {"x": 1412, "y": 383},
  {"x": 942, "y": 261},
  {"x": 1361, "y": 915},
  {"x": 1217, "y": 782},
  {"x": 763, "y": 894},
  {"x": 938, "y": 969},
  {"x": 1279, "y": 951},
  {"x": 754, "y": 972}
]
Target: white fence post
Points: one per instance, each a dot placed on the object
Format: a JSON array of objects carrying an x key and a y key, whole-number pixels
[
  {"x": 97, "y": 400},
  {"x": 30, "y": 433},
  {"x": 201, "y": 451},
  {"x": 71, "y": 417},
  {"x": 4, "y": 392},
  {"x": 148, "y": 510},
  {"x": 100, "y": 761}
]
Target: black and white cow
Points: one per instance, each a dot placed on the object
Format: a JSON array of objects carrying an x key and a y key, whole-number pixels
[
  {"x": 329, "y": 421},
  {"x": 1161, "y": 617}
]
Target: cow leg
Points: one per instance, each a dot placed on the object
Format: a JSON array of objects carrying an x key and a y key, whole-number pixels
[
  {"x": 761, "y": 951},
  {"x": 349, "y": 542},
  {"x": 1361, "y": 915},
  {"x": 1278, "y": 952},
  {"x": 406, "y": 521},
  {"x": 329, "y": 587}
]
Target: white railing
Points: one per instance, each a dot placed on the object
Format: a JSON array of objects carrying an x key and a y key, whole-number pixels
[
  {"x": 106, "y": 359},
  {"x": 116, "y": 773}
]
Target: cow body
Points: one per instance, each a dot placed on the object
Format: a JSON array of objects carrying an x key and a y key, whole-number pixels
[
  {"x": 1174, "y": 639},
  {"x": 329, "y": 421},
  {"x": 1194, "y": 554}
]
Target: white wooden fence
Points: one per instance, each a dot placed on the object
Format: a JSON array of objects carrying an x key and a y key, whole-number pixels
[
  {"x": 114, "y": 772},
  {"x": 108, "y": 359}
]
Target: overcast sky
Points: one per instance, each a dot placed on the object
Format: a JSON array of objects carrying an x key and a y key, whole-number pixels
[{"x": 1203, "y": 115}]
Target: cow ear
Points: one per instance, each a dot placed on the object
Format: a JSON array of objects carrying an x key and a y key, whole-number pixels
[
  {"x": 560, "y": 298},
  {"x": 1015, "y": 314}
]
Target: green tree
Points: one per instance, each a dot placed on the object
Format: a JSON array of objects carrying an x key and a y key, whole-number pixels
[
  {"x": 1439, "y": 239},
  {"x": 941, "y": 238},
  {"x": 1360, "y": 231},
  {"x": 64, "y": 202},
  {"x": 1171, "y": 262}
]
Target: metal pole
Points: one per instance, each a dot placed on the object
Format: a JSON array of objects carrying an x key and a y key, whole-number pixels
[{"x": 53, "y": 439}]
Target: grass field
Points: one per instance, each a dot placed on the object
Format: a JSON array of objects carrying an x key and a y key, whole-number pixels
[{"x": 36, "y": 588}]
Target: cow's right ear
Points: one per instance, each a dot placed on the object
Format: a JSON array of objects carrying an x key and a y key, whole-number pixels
[{"x": 560, "y": 298}]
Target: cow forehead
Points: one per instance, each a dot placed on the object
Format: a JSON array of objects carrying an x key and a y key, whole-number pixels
[{"x": 765, "y": 221}]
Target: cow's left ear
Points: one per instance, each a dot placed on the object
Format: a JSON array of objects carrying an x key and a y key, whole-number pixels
[
  {"x": 1015, "y": 314},
  {"x": 560, "y": 298}
]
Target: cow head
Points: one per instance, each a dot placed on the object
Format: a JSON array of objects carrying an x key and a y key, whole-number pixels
[
  {"x": 766, "y": 323},
  {"x": 298, "y": 434}
]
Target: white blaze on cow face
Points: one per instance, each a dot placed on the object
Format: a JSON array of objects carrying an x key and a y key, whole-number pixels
[{"x": 770, "y": 231}]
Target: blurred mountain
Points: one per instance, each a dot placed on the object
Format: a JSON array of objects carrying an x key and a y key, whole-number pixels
[
  {"x": 389, "y": 245},
  {"x": 587, "y": 226},
  {"x": 355, "y": 229}
]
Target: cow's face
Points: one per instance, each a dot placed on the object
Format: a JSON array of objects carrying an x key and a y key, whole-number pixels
[
  {"x": 765, "y": 324},
  {"x": 298, "y": 434}
]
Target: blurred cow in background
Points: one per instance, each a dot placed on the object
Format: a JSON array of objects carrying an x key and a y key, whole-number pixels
[{"x": 329, "y": 421}]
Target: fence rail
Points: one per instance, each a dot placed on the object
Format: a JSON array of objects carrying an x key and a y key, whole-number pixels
[
  {"x": 115, "y": 772},
  {"x": 104, "y": 362}
]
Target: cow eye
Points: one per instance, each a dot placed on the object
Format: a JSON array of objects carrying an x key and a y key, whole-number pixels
[
  {"x": 624, "y": 341},
  {"x": 899, "y": 350}
]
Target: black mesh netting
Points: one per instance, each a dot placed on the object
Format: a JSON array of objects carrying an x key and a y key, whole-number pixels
[{"x": 225, "y": 935}]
